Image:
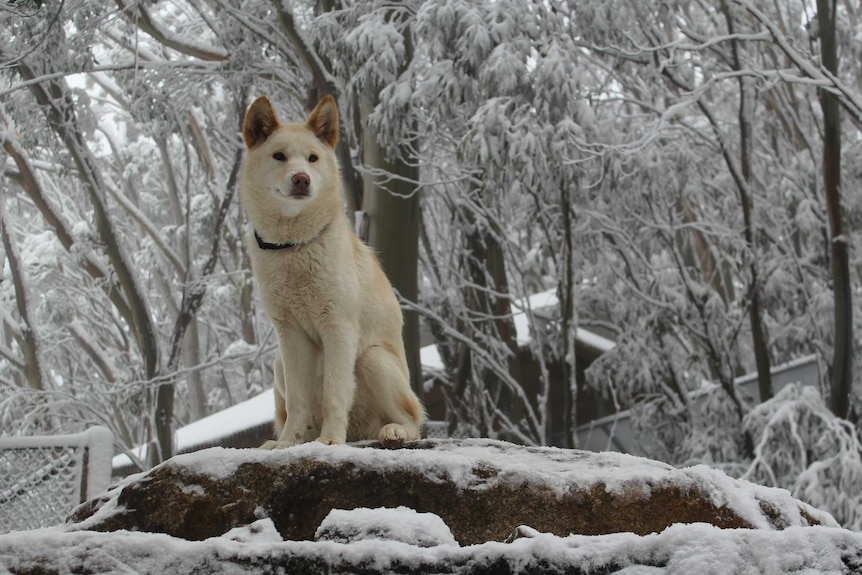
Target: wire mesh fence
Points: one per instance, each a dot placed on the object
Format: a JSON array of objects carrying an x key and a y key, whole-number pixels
[
  {"x": 436, "y": 430},
  {"x": 43, "y": 478}
]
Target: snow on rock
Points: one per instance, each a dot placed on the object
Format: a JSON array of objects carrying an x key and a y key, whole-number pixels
[
  {"x": 481, "y": 489},
  {"x": 261, "y": 531},
  {"x": 400, "y": 524}
]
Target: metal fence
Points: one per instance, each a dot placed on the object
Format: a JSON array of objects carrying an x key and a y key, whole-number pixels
[
  {"x": 43, "y": 478},
  {"x": 436, "y": 430}
]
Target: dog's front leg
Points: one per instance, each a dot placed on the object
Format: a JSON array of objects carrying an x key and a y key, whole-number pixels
[
  {"x": 300, "y": 357},
  {"x": 339, "y": 381}
]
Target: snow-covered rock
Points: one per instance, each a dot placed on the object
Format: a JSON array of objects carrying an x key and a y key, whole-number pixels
[
  {"x": 261, "y": 531},
  {"x": 400, "y": 524},
  {"x": 511, "y": 508},
  {"x": 482, "y": 490}
]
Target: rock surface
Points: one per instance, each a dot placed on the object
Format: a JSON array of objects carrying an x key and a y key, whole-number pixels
[{"x": 482, "y": 489}]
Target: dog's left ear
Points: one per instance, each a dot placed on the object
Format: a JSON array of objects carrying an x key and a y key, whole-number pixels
[
  {"x": 260, "y": 122},
  {"x": 323, "y": 121}
]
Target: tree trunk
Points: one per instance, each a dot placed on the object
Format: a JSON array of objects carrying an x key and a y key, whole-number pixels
[
  {"x": 755, "y": 316},
  {"x": 391, "y": 201},
  {"x": 28, "y": 340},
  {"x": 392, "y": 207},
  {"x": 842, "y": 359},
  {"x": 486, "y": 298},
  {"x": 191, "y": 359},
  {"x": 565, "y": 294}
]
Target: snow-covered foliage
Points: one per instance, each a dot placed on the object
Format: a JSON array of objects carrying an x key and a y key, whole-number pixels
[
  {"x": 802, "y": 446},
  {"x": 657, "y": 164}
]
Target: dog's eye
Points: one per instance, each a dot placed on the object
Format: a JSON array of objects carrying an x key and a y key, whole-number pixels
[
  {"x": 312, "y": 158},
  {"x": 279, "y": 156}
]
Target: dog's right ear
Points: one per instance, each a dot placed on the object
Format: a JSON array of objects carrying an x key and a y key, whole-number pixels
[
  {"x": 323, "y": 121},
  {"x": 260, "y": 122}
]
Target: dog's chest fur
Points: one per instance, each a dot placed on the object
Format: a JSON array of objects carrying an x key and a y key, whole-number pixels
[{"x": 299, "y": 286}]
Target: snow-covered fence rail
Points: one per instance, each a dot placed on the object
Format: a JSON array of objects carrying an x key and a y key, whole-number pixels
[{"x": 43, "y": 478}]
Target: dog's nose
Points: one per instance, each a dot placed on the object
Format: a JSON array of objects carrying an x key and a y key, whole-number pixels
[{"x": 301, "y": 180}]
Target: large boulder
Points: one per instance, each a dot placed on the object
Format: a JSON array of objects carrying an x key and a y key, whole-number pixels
[{"x": 482, "y": 490}]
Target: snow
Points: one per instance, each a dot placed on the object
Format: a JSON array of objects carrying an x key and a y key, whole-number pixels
[
  {"x": 400, "y": 524},
  {"x": 260, "y": 531},
  {"x": 100, "y": 442},
  {"x": 256, "y": 411},
  {"x": 744, "y": 497},
  {"x": 429, "y": 357},
  {"x": 680, "y": 549},
  {"x": 454, "y": 462}
]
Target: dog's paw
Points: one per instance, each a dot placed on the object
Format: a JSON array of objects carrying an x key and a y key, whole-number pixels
[
  {"x": 328, "y": 441},
  {"x": 277, "y": 444},
  {"x": 392, "y": 435}
]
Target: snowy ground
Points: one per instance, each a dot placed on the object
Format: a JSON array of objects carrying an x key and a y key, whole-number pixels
[{"x": 680, "y": 549}]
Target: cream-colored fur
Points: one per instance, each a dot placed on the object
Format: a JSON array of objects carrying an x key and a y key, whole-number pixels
[{"x": 341, "y": 373}]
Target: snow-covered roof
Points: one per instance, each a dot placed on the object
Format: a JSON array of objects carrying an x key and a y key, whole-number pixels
[
  {"x": 235, "y": 419},
  {"x": 430, "y": 356}
]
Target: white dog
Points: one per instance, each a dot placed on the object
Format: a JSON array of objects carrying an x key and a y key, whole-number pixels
[{"x": 341, "y": 373}]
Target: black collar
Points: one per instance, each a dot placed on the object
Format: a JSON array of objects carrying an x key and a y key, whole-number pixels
[
  {"x": 264, "y": 245},
  {"x": 268, "y": 246}
]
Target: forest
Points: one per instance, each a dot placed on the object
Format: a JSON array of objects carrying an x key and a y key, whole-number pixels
[{"x": 684, "y": 175}]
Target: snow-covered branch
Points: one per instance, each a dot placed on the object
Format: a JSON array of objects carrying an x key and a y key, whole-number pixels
[
  {"x": 140, "y": 16},
  {"x": 850, "y": 99}
]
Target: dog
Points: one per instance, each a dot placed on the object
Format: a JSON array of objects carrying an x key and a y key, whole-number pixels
[{"x": 340, "y": 373}]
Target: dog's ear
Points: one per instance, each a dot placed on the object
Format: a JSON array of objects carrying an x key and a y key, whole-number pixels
[
  {"x": 323, "y": 121},
  {"x": 260, "y": 122}
]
